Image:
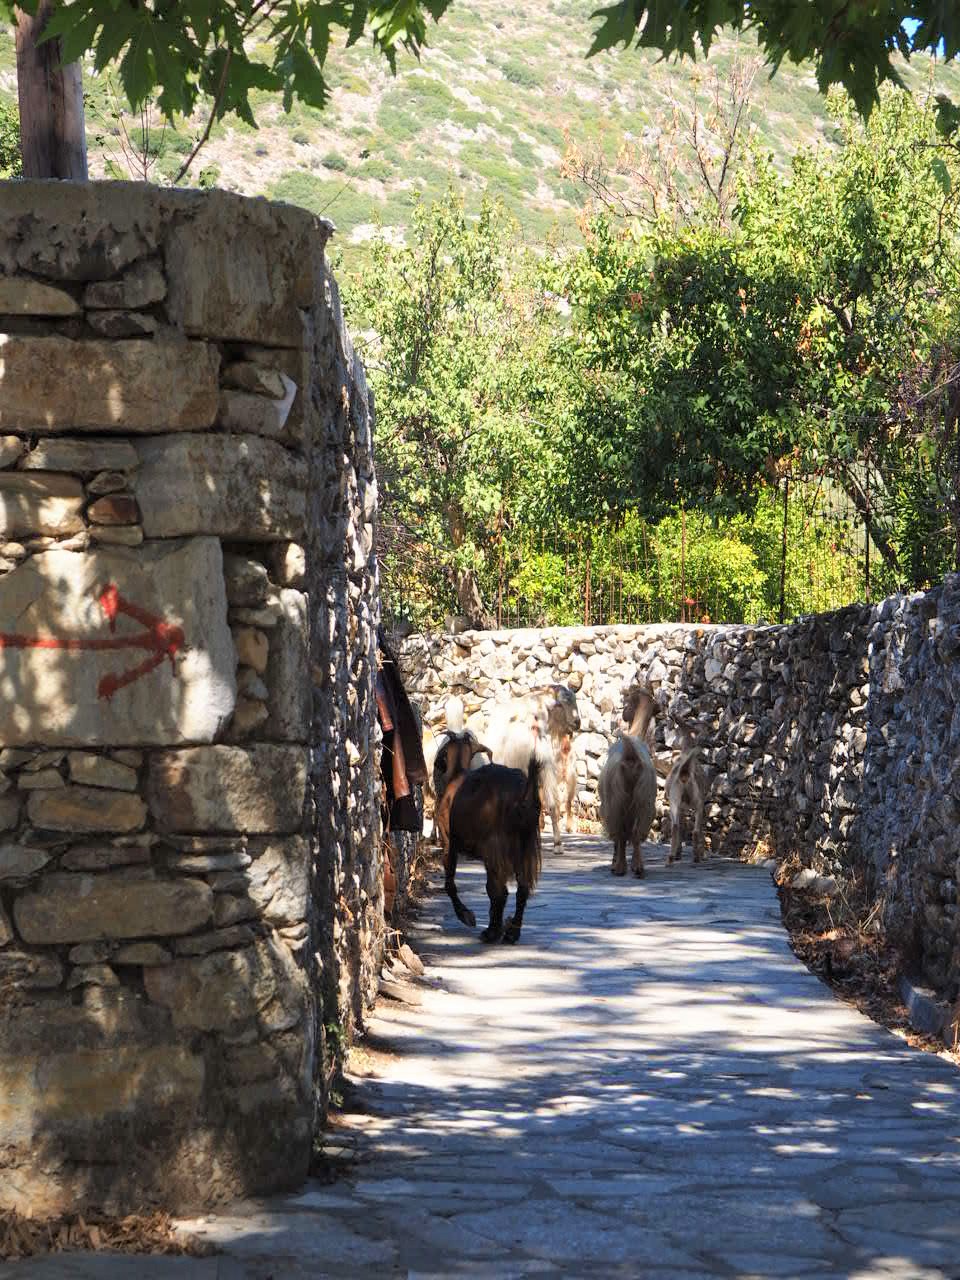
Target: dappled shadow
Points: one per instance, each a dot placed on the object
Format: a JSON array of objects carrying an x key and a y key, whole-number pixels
[{"x": 649, "y": 1083}]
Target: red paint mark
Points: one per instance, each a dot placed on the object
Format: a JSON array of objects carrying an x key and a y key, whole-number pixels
[{"x": 160, "y": 639}]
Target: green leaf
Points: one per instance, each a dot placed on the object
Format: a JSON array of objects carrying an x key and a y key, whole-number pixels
[{"x": 942, "y": 175}]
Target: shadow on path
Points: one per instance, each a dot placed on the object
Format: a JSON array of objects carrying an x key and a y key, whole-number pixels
[{"x": 650, "y": 1084}]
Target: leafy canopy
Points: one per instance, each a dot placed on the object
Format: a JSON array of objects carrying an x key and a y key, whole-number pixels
[
  {"x": 175, "y": 51},
  {"x": 852, "y": 42}
]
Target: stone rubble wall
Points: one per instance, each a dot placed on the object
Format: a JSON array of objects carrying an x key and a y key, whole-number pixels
[
  {"x": 836, "y": 737},
  {"x": 190, "y": 886}
]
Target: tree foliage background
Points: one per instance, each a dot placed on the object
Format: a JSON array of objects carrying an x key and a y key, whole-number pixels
[{"x": 690, "y": 415}]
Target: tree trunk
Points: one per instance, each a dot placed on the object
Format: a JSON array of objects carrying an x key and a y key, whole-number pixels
[{"x": 52, "y": 137}]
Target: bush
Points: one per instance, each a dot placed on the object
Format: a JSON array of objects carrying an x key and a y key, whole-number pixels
[
  {"x": 11, "y": 164},
  {"x": 301, "y": 137},
  {"x": 519, "y": 73},
  {"x": 378, "y": 169},
  {"x": 334, "y": 160}
]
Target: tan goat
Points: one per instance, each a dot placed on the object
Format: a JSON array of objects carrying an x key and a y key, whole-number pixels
[
  {"x": 628, "y": 784},
  {"x": 685, "y": 791}
]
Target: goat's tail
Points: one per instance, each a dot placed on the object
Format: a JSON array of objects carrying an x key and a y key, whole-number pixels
[
  {"x": 526, "y": 829},
  {"x": 453, "y": 710}
]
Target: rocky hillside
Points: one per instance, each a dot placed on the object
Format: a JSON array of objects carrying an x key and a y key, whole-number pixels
[{"x": 490, "y": 106}]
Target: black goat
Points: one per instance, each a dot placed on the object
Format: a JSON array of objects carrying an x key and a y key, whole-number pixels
[{"x": 496, "y": 816}]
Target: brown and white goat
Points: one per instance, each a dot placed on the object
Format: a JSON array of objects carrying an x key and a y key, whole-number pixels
[
  {"x": 628, "y": 784},
  {"x": 685, "y": 791},
  {"x": 495, "y": 815},
  {"x": 532, "y": 728},
  {"x": 459, "y": 755}
]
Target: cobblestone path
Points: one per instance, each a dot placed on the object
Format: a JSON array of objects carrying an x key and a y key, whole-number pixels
[{"x": 649, "y": 1085}]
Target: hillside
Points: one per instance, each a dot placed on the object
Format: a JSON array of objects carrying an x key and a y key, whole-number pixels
[{"x": 489, "y": 107}]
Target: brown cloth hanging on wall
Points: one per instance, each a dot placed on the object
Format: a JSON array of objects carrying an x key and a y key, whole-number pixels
[{"x": 402, "y": 765}]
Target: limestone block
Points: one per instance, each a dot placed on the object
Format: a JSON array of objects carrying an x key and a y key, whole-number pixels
[
  {"x": 20, "y": 296},
  {"x": 98, "y": 771},
  {"x": 278, "y": 881},
  {"x": 122, "y": 324},
  {"x": 42, "y": 780},
  {"x": 117, "y": 535},
  {"x": 18, "y": 861},
  {"x": 247, "y": 580},
  {"x": 72, "y": 695},
  {"x": 260, "y": 788},
  {"x": 253, "y": 648},
  {"x": 49, "y": 505},
  {"x": 97, "y": 857},
  {"x": 201, "y": 944},
  {"x": 75, "y": 1091},
  {"x": 222, "y": 990},
  {"x": 11, "y": 450},
  {"x": 241, "y": 269},
  {"x": 92, "y": 454},
  {"x": 86, "y": 809},
  {"x": 288, "y": 676},
  {"x": 289, "y": 564},
  {"x": 9, "y": 811},
  {"x": 238, "y": 487},
  {"x": 110, "y": 481},
  {"x": 30, "y": 970},
  {"x": 114, "y": 509},
  {"x": 83, "y": 908},
  {"x": 257, "y": 415},
  {"x": 60, "y": 384},
  {"x": 245, "y": 375},
  {"x": 249, "y": 715},
  {"x": 145, "y": 953},
  {"x": 141, "y": 285},
  {"x": 92, "y": 975}
]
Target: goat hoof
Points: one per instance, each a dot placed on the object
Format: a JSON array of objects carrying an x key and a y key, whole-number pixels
[
  {"x": 639, "y": 872},
  {"x": 468, "y": 918},
  {"x": 511, "y": 933},
  {"x": 490, "y": 935},
  {"x": 618, "y": 871}
]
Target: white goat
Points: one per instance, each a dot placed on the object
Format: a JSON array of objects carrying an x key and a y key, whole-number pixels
[
  {"x": 628, "y": 784},
  {"x": 533, "y": 728},
  {"x": 685, "y": 791}
]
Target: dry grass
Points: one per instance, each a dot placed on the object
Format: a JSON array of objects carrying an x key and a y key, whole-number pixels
[
  {"x": 841, "y": 940},
  {"x": 25, "y": 1237}
]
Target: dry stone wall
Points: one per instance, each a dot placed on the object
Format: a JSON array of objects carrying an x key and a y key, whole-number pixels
[
  {"x": 189, "y": 832},
  {"x": 837, "y": 736}
]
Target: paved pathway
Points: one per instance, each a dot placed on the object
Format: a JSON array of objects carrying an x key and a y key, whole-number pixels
[{"x": 649, "y": 1085}]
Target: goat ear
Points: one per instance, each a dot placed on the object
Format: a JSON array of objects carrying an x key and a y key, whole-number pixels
[{"x": 478, "y": 749}]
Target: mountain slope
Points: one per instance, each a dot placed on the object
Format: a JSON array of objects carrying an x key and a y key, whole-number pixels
[{"x": 490, "y": 107}]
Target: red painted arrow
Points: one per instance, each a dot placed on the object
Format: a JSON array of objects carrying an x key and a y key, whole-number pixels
[{"x": 160, "y": 639}]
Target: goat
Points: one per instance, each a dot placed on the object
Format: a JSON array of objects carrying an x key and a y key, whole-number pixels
[
  {"x": 495, "y": 815},
  {"x": 460, "y": 751},
  {"x": 628, "y": 784},
  {"x": 532, "y": 728},
  {"x": 567, "y": 777},
  {"x": 454, "y": 730},
  {"x": 685, "y": 791}
]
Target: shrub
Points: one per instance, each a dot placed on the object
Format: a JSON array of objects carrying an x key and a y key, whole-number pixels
[
  {"x": 519, "y": 73},
  {"x": 334, "y": 160}
]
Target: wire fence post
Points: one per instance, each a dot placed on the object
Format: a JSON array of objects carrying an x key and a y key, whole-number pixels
[{"x": 783, "y": 551}]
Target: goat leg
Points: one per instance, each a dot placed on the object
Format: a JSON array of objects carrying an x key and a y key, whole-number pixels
[
  {"x": 699, "y": 844},
  {"x": 555, "y": 823},
  {"x": 637, "y": 859},
  {"x": 497, "y": 893},
  {"x": 464, "y": 914},
  {"x": 511, "y": 932},
  {"x": 619, "y": 867}
]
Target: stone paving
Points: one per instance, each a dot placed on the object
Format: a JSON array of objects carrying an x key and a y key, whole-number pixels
[{"x": 649, "y": 1084}]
